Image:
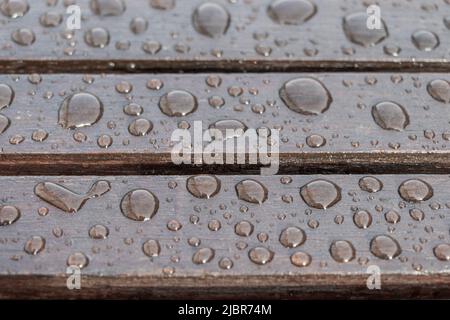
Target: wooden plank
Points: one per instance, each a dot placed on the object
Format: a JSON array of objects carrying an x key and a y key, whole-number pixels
[
  {"x": 208, "y": 244},
  {"x": 353, "y": 135},
  {"x": 227, "y": 35}
]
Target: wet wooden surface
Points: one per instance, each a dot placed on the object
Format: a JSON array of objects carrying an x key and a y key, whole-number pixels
[
  {"x": 242, "y": 36},
  {"x": 397, "y": 223}
]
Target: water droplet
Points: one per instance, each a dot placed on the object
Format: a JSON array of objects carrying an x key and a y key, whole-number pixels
[
  {"x": 67, "y": 200},
  {"x": 8, "y": 215},
  {"x": 385, "y": 247},
  {"x": 97, "y": 37},
  {"x": 294, "y": 12},
  {"x": 260, "y": 255},
  {"x": 301, "y": 259},
  {"x": 80, "y": 110},
  {"x": 140, "y": 127},
  {"x": 243, "y": 228},
  {"x": 14, "y": 8},
  {"x": 139, "y": 205},
  {"x": 23, "y": 37},
  {"x": 203, "y": 255},
  {"x": 362, "y": 219},
  {"x": 104, "y": 141},
  {"x": 342, "y": 251},
  {"x": 235, "y": 128},
  {"x": 320, "y": 194},
  {"x": 417, "y": 214},
  {"x": 108, "y": 7},
  {"x": 151, "y": 248},
  {"x": 203, "y": 186},
  {"x": 16, "y": 139},
  {"x": 4, "y": 123},
  {"x": 415, "y": 190},
  {"x": 124, "y": 87},
  {"x": 213, "y": 81},
  {"x": 34, "y": 245},
  {"x": 251, "y": 191},
  {"x": 439, "y": 90},
  {"x": 214, "y": 225},
  {"x": 133, "y": 109},
  {"x": 178, "y": 103},
  {"x": 98, "y": 231},
  {"x": 442, "y": 252},
  {"x": 390, "y": 116},
  {"x": 78, "y": 259},
  {"x": 370, "y": 184},
  {"x": 355, "y": 28},
  {"x": 38, "y": 135},
  {"x": 50, "y": 19},
  {"x": 6, "y": 95},
  {"x": 292, "y": 237},
  {"x": 151, "y": 47},
  {"x": 225, "y": 263},
  {"x": 211, "y": 19},
  {"x": 392, "y": 216},
  {"x": 392, "y": 50},
  {"x": 162, "y": 4},
  {"x": 315, "y": 141},
  {"x": 425, "y": 40},
  {"x": 306, "y": 96},
  {"x": 138, "y": 25}
]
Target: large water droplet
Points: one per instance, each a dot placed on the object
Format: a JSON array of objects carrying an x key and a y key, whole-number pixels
[
  {"x": 320, "y": 194},
  {"x": 342, "y": 251},
  {"x": 203, "y": 186},
  {"x": 34, "y": 245},
  {"x": 415, "y": 190},
  {"x": 251, "y": 191},
  {"x": 108, "y": 7},
  {"x": 442, "y": 252},
  {"x": 244, "y": 228},
  {"x": 203, "y": 255},
  {"x": 355, "y": 28},
  {"x": 385, "y": 247},
  {"x": 306, "y": 96},
  {"x": 439, "y": 90},
  {"x": 178, "y": 103},
  {"x": 211, "y": 19},
  {"x": 6, "y": 95},
  {"x": 4, "y": 123},
  {"x": 139, "y": 205},
  {"x": 14, "y": 8},
  {"x": 425, "y": 40},
  {"x": 294, "y": 12},
  {"x": 362, "y": 219},
  {"x": 80, "y": 110},
  {"x": 260, "y": 255},
  {"x": 97, "y": 37},
  {"x": 390, "y": 116},
  {"x": 292, "y": 237},
  {"x": 8, "y": 215},
  {"x": 23, "y": 37},
  {"x": 151, "y": 248},
  {"x": 67, "y": 200},
  {"x": 370, "y": 184}
]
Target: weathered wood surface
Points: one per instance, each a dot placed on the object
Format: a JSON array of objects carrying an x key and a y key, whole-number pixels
[
  {"x": 183, "y": 224},
  {"x": 230, "y": 35},
  {"x": 347, "y": 136}
]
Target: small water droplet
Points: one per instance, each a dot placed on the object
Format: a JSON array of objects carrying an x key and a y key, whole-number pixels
[
  {"x": 370, "y": 184},
  {"x": 442, "y": 252},
  {"x": 260, "y": 255},
  {"x": 355, "y": 28},
  {"x": 417, "y": 214},
  {"x": 362, "y": 219},
  {"x": 4, "y": 123},
  {"x": 78, "y": 259},
  {"x": 98, "y": 231},
  {"x": 34, "y": 245},
  {"x": 80, "y": 110},
  {"x": 439, "y": 90},
  {"x": 251, "y": 191},
  {"x": 6, "y": 95},
  {"x": 140, "y": 127},
  {"x": 50, "y": 19},
  {"x": 342, "y": 251},
  {"x": 151, "y": 248},
  {"x": 211, "y": 19},
  {"x": 320, "y": 194},
  {"x": 203, "y": 186},
  {"x": 293, "y": 12},
  {"x": 203, "y": 255},
  {"x": 178, "y": 103},
  {"x": 315, "y": 141},
  {"x": 301, "y": 259},
  {"x": 385, "y": 247},
  {"x": 23, "y": 36},
  {"x": 38, "y": 135},
  {"x": 139, "y": 205},
  {"x": 226, "y": 263},
  {"x": 243, "y": 228},
  {"x": 8, "y": 215},
  {"x": 425, "y": 40},
  {"x": 390, "y": 116},
  {"x": 292, "y": 237},
  {"x": 107, "y": 7},
  {"x": 104, "y": 141},
  {"x": 97, "y": 37},
  {"x": 133, "y": 109}
]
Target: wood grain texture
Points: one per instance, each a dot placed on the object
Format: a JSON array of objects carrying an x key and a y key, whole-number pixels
[
  {"x": 253, "y": 41},
  {"x": 118, "y": 266},
  {"x": 353, "y": 141}
]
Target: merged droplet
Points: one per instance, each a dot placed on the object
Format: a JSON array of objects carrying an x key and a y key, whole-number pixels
[
  {"x": 14, "y": 8},
  {"x": 244, "y": 228},
  {"x": 203, "y": 186},
  {"x": 439, "y": 90},
  {"x": 97, "y": 37},
  {"x": 4, "y": 123},
  {"x": 23, "y": 37},
  {"x": 356, "y": 31},
  {"x": 442, "y": 252},
  {"x": 260, "y": 255},
  {"x": 66, "y": 199},
  {"x": 306, "y": 96},
  {"x": 151, "y": 248},
  {"x": 370, "y": 184},
  {"x": 139, "y": 205},
  {"x": 292, "y": 237},
  {"x": 320, "y": 194},
  {"x": 177, "y": 103},
  {"x": 415, "y": 190},
  {"x": 140, "y": 127},
  {"x": 211, "y": 19},
  {"x": 78, "y": 259},
  {"x": 362, "y": 219},
  {"x": 251, "y": 191},
  {"x": 203, "y": 255},
  {"x": 293, "y": 12},
  {"x": 301, "y": 259},
  {"x": 385, "y": 247},
  {"x": 80, "y": 110},
  {"x": 108, "y": 7},
  {"x": 342, "y": 251},
  {"x": 425, "y": 40},
  {"x": 34, "y": 245},
  {"x": 8, "y": 215},
  {"x": 6, "y": 95},
  {"x": 390, "y": 116}
]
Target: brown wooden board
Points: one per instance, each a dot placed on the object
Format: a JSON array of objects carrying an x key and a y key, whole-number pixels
[
  {"x": 354, "y": 134},
  {"x": 207, "y": 245},
  {"x": 224, "y": 35}
]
